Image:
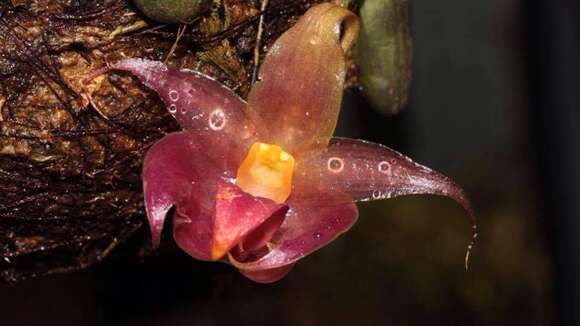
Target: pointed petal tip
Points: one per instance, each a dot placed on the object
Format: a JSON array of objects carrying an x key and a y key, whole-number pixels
[
  {"x": 130, "y": 64},
  {"x": 448, "y": 188},
  {"x": 156, "y": 216},
  {"x": 138, "y": 64},
  {"x": 458, "y": 194},
  {"x": 470, "y": 246},
  {"x": 155, "y": 241},
  {"x": 143, "y": 68}
]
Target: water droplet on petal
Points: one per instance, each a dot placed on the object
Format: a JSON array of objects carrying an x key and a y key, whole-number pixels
[
  {"x": 317, "y": 235},
  {"x": 217, "y": 120},
  {"x": 335, "y": 164},
  {"x": 173, "y": 95},
  {"x": 377, "y": 194},
  {"x": 172, "y": 109},
  {"x": 385, "y": 167}
]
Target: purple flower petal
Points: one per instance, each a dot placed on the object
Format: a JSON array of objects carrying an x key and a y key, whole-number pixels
[
  {"x": 309, "y": 225},
  {"x": 196, "y": 101},
  {"x": 183, "y": 169},
  {"x": 298, "y": 95},
  {"x": 369, "y": 171}
]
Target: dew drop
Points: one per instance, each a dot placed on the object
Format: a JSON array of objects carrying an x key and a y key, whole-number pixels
[
  {"x": 385, "y": 167},
  {"x": 317, "y": 235},
  {"x": 335, "y": 164},
  {"x": 217, "y": 120},
  {"x": 377, "y": 194},
  {"x": 173, "y": 95},
  {"x": 172, "y": 109}
]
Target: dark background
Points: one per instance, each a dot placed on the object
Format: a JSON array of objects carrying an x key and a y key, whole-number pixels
[{"x": 494, "y": 106}]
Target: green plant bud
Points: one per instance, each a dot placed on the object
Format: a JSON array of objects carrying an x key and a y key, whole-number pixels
[
  {"x": 383, "y": 53},
  {"x": 171, "y": 11}
]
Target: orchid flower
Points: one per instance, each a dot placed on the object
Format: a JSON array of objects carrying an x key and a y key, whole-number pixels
[{"x": 261, "y": 184}]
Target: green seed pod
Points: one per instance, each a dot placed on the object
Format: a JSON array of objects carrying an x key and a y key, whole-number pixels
[
  {"x": 383, "y": 53},
  {"x": 171, "y": 11}
]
